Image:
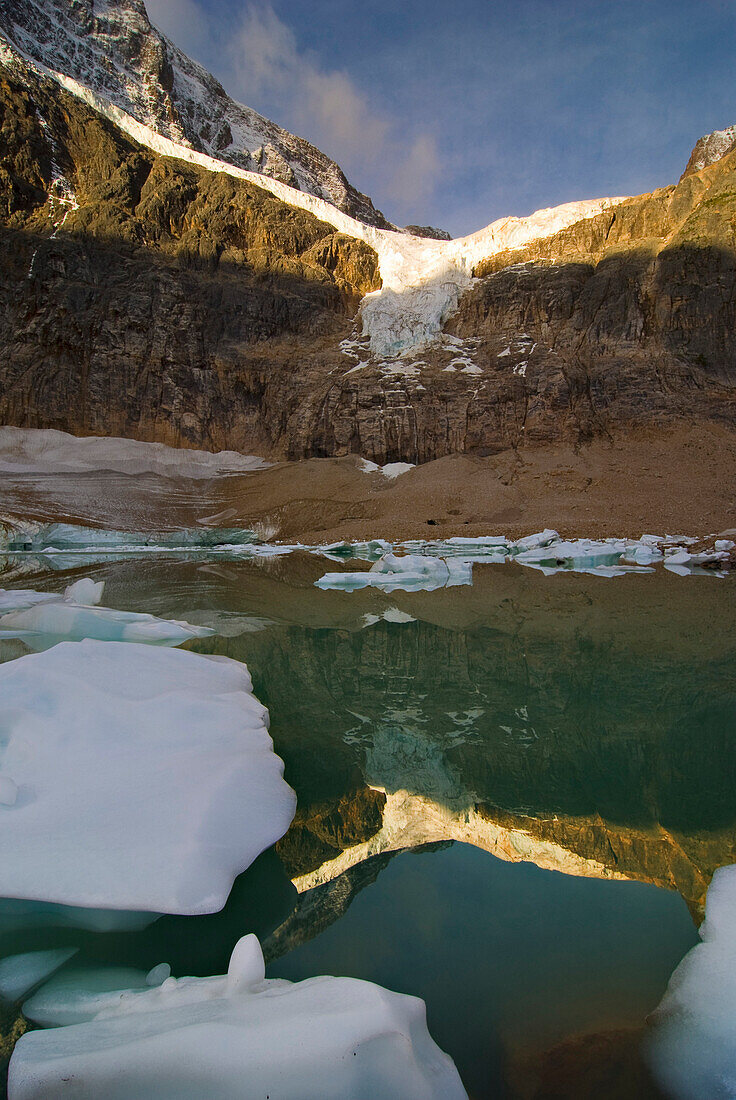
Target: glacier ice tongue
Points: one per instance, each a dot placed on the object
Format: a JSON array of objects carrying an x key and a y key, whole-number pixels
[
  {"x": 154, "y": 763},
  {"x": 692, "y": 1046},
  {"x": 240, "y": 1035}
]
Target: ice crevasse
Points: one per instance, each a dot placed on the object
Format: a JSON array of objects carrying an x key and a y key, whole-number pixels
[
  {"x": 154, "y": 764},
  {"x": 240, "y": 1035}
]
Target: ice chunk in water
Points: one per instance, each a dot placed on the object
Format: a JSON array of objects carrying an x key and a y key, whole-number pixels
[
  {"x": 86, "y": 591},
  {"x": 533, "y": 542},
  {"x": 410, "y": 572},
  {"x": 20, "y": 598},
  {"x": 413, "y": 565},
  {"x": 692, "y": 1048},
  {"x": 157, "y": 975},
  {"x": 156, "y": 763},
  {"x": 580, "y": 554},
  {"x": 246, "y": 967},
  {"x": 239, "y": 1035},
  {"x": 75, "y": 615},
  {"x": 19, "y": 974}
]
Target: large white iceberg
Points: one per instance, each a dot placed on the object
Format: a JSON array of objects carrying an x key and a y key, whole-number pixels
[
  {"x": 243, "y": 1036},
  {"x": 144, "y": 778},
  {"x": 692, "y": 1048},
  {"x": 74, "y": 615}
]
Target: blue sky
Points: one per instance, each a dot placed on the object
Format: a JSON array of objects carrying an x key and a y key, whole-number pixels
[{"x": 457, "y": 113}]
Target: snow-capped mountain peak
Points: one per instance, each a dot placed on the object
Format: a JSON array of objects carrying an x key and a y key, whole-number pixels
[
  {"x": 711, "y": 148},
  {"x": 111, "y": 47}
]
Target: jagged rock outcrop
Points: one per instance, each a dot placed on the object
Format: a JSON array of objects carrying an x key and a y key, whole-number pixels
[
  {"x": 113, "y": 49},
  {"x": 711, "y": 148},
  {"x": 428, "y": 231}
]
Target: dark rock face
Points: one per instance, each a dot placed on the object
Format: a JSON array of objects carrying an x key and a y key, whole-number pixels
[
  {"x": 428, "y": 231},
  {"x": 149, "y": 297},
  {"x": 113, "y": 49}
]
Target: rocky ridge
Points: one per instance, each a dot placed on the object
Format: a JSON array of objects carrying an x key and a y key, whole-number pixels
[{"x": 113, "y": 48}]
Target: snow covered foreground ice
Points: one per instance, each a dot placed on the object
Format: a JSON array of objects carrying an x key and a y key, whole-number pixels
[
  {"x": 75, "y": 615},
  {"x": 242, "y": 1036},
  {"x": 692, "y": 1048},
  {"x": 133, "y": 777}
]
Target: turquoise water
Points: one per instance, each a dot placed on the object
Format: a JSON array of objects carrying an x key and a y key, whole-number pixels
[{"x": 511, "y": 796}]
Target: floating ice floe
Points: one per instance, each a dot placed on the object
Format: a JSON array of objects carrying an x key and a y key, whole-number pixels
[
  {"x": 155, "y": 764},
  {"x": 19, "y": 974},
  {"x": 240, "y": 1035},
  {"x": 533, "y": 542},
  {"x": 683, "y": 562},
  {"x": 692, "y": 1046},
  {"x": 411, "y": 572},
  {"x": 488, "y": 549},
  {"x": 366, "y": 551},
  {"x": 580, "y": 554},
  {"x": 75, "y": 616}
]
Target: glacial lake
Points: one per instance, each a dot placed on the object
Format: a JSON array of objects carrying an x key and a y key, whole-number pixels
[{"x": 511, "y": 796}]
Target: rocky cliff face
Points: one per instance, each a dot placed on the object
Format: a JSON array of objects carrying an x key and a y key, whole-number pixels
[
  {"x": 144, "y": 296},
  {"x": 133, "y": 285},
  {"x": 111, "y": 47}
]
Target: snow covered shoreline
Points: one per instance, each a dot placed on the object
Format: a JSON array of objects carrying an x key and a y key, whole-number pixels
[{"x": 47, "y": 451}]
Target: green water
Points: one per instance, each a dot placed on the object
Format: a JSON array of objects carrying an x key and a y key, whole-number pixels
[{"x": 510, "y": 800}]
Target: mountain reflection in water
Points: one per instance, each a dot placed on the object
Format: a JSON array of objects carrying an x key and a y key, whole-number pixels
[{"x": 577, "y": 724}]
